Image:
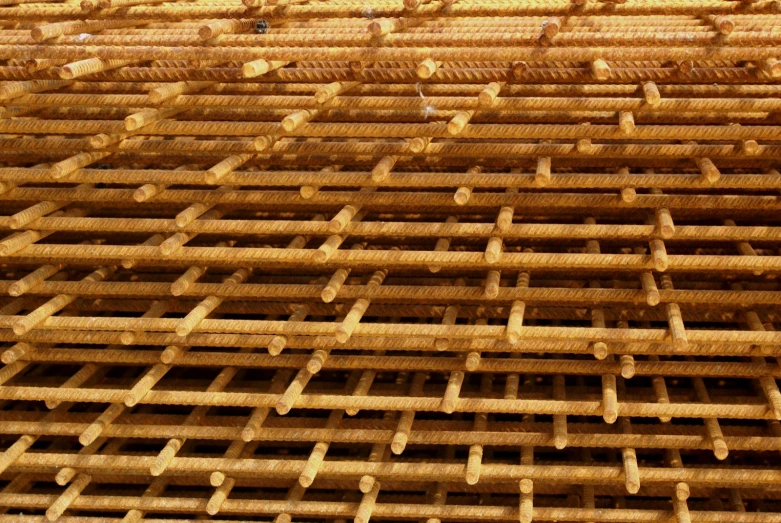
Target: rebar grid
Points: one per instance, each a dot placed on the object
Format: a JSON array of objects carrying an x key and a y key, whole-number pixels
[{"x": 390, "y": 260}]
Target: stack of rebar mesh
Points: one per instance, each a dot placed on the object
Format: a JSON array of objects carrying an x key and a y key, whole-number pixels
[{"x": 352, "y": 260}]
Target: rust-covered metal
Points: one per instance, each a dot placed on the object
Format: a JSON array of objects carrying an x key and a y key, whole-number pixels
[{"x": 385, "y": 260}]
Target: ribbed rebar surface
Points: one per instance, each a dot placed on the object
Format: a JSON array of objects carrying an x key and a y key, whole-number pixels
[{"x": 391, "y": 260}]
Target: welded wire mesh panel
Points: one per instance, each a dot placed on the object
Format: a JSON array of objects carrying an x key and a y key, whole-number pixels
[{"x": 423, "y": 260}]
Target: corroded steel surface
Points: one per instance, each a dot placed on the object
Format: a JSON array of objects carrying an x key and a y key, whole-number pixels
[{"x": 419, "y": 260}]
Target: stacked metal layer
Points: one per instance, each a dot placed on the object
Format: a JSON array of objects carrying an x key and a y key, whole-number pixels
[{"x": 430, "y": 261}]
